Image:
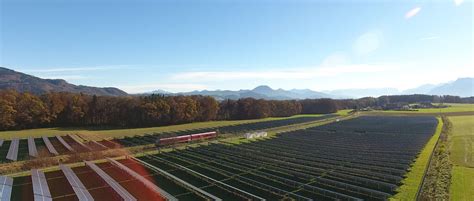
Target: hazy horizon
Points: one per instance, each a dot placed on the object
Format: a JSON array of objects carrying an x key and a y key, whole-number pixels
[{"x": 185, "y": 46}]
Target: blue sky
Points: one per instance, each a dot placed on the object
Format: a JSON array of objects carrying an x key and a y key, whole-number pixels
[{"x": 144, "y": 45}]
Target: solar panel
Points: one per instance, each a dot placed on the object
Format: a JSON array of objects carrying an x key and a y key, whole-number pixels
[
  {"x": 65, "y": 143},
  {"x": 112, "y": 183},
  {"x": 6, "y": 184},
  {"x": 81, "y": 191},
  {"x": 75, "y": 138},
  {"x": 143, "y": 180},
  {"x": 32, "y": 147},
  {"x": 13, "y": 150},
  {"x": 50, "y": 146},
  {"x": 40, "y": 186}
]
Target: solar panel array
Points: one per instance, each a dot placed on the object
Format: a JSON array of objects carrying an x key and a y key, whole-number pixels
[
  {"x": 81, "y": 191},
  {"x": 68, "y": 147},
  {"x": 40, "y": 186},
  {"x": 13, "y": 150},
  {"x": 32, "y": 151},
  {"x": 6, "y": 184},
  {"x": 143, "y": 180},
  {"x": 112, "y": 183},
  {"x": 50, "y": 146}
]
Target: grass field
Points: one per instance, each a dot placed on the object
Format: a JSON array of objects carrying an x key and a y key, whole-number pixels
[
  {"x": 453, "y": 108},
  {"x": 462, "y": 141},
  {"x": 106, "y": 133},
  {"x": 413, "y": 179},
  {"x": 462, "y": 150}
]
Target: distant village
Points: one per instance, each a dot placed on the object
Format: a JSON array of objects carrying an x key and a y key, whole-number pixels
[{"x": 403, "y": 106}]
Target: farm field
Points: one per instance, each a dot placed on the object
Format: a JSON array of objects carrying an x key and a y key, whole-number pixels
[
  {"x": 111, "y": 133},
  {"x": 462, "y": 156}
]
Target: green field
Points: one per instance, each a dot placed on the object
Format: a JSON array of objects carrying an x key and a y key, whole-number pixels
[
  {"x": 461, "y": 147},
  {"x": 462, "y": 141},
  {"x": 127, "y": 132},
  {"x": 453, "y": 108},
  {"x": 410, "y": 185}
]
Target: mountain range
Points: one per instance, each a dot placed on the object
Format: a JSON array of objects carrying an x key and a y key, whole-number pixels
[
  {"x": 462, "y": 87},
  {"x": 260, "y": 92},
  {"x": 10, "y": 79}
]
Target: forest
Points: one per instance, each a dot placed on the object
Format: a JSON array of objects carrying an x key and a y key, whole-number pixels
[
  {"x": 26, "y": 110},
  {"x": 61, "y": 109}
]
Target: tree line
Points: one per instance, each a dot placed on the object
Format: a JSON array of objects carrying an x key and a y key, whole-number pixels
[
  {"x": 25, "y": 110},
  {"x": 61, "y": 109}
]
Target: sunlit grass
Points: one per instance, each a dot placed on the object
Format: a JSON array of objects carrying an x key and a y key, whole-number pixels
[
  {"x": 462, "y": 184},
  {"x": 461, "y": 148},
  {"x": 462, "y": 140},
  {"x": 453, "y": 108}
]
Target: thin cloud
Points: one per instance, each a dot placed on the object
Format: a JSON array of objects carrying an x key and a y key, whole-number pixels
[
  {"x": 76, "y": 69},
  {"x": 67, "y": 77},
  {"x": 458, "y": 2},
  {"x": 172, "y": 87},
  {"x": 368, "y": 42},
  {"x": 287, "y": 74},
  {"x": 413, "y": 12}
]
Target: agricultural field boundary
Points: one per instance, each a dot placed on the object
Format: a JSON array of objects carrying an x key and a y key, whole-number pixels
[{"x": 436, "y": 180}]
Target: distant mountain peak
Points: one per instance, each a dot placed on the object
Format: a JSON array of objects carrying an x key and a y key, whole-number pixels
[{"x": 262, "y": 88}]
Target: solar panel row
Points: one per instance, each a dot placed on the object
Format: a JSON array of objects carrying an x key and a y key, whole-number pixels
[
  {"x": 50, "y": 146},
  {"x": 81, "y": 191},
  {"x": 112, "y": 183},
  {"x": 68, "y": 147},
  {"x": 6, "y": 184},
  {"x": 176, "y": 179},
  {"x": 13, "y": 150},
  {"x": 143, "y": 180},
  {"x": 32, "y": 151},
  {"x": 40, "y": 186}
]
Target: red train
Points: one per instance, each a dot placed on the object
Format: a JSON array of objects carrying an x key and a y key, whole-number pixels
[{"x": 185, "y": 138}]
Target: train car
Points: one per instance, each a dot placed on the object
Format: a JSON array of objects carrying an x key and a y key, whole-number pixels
[
  {"x": 203, "y": 136},
  {"x": 185, "y": 138}
]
